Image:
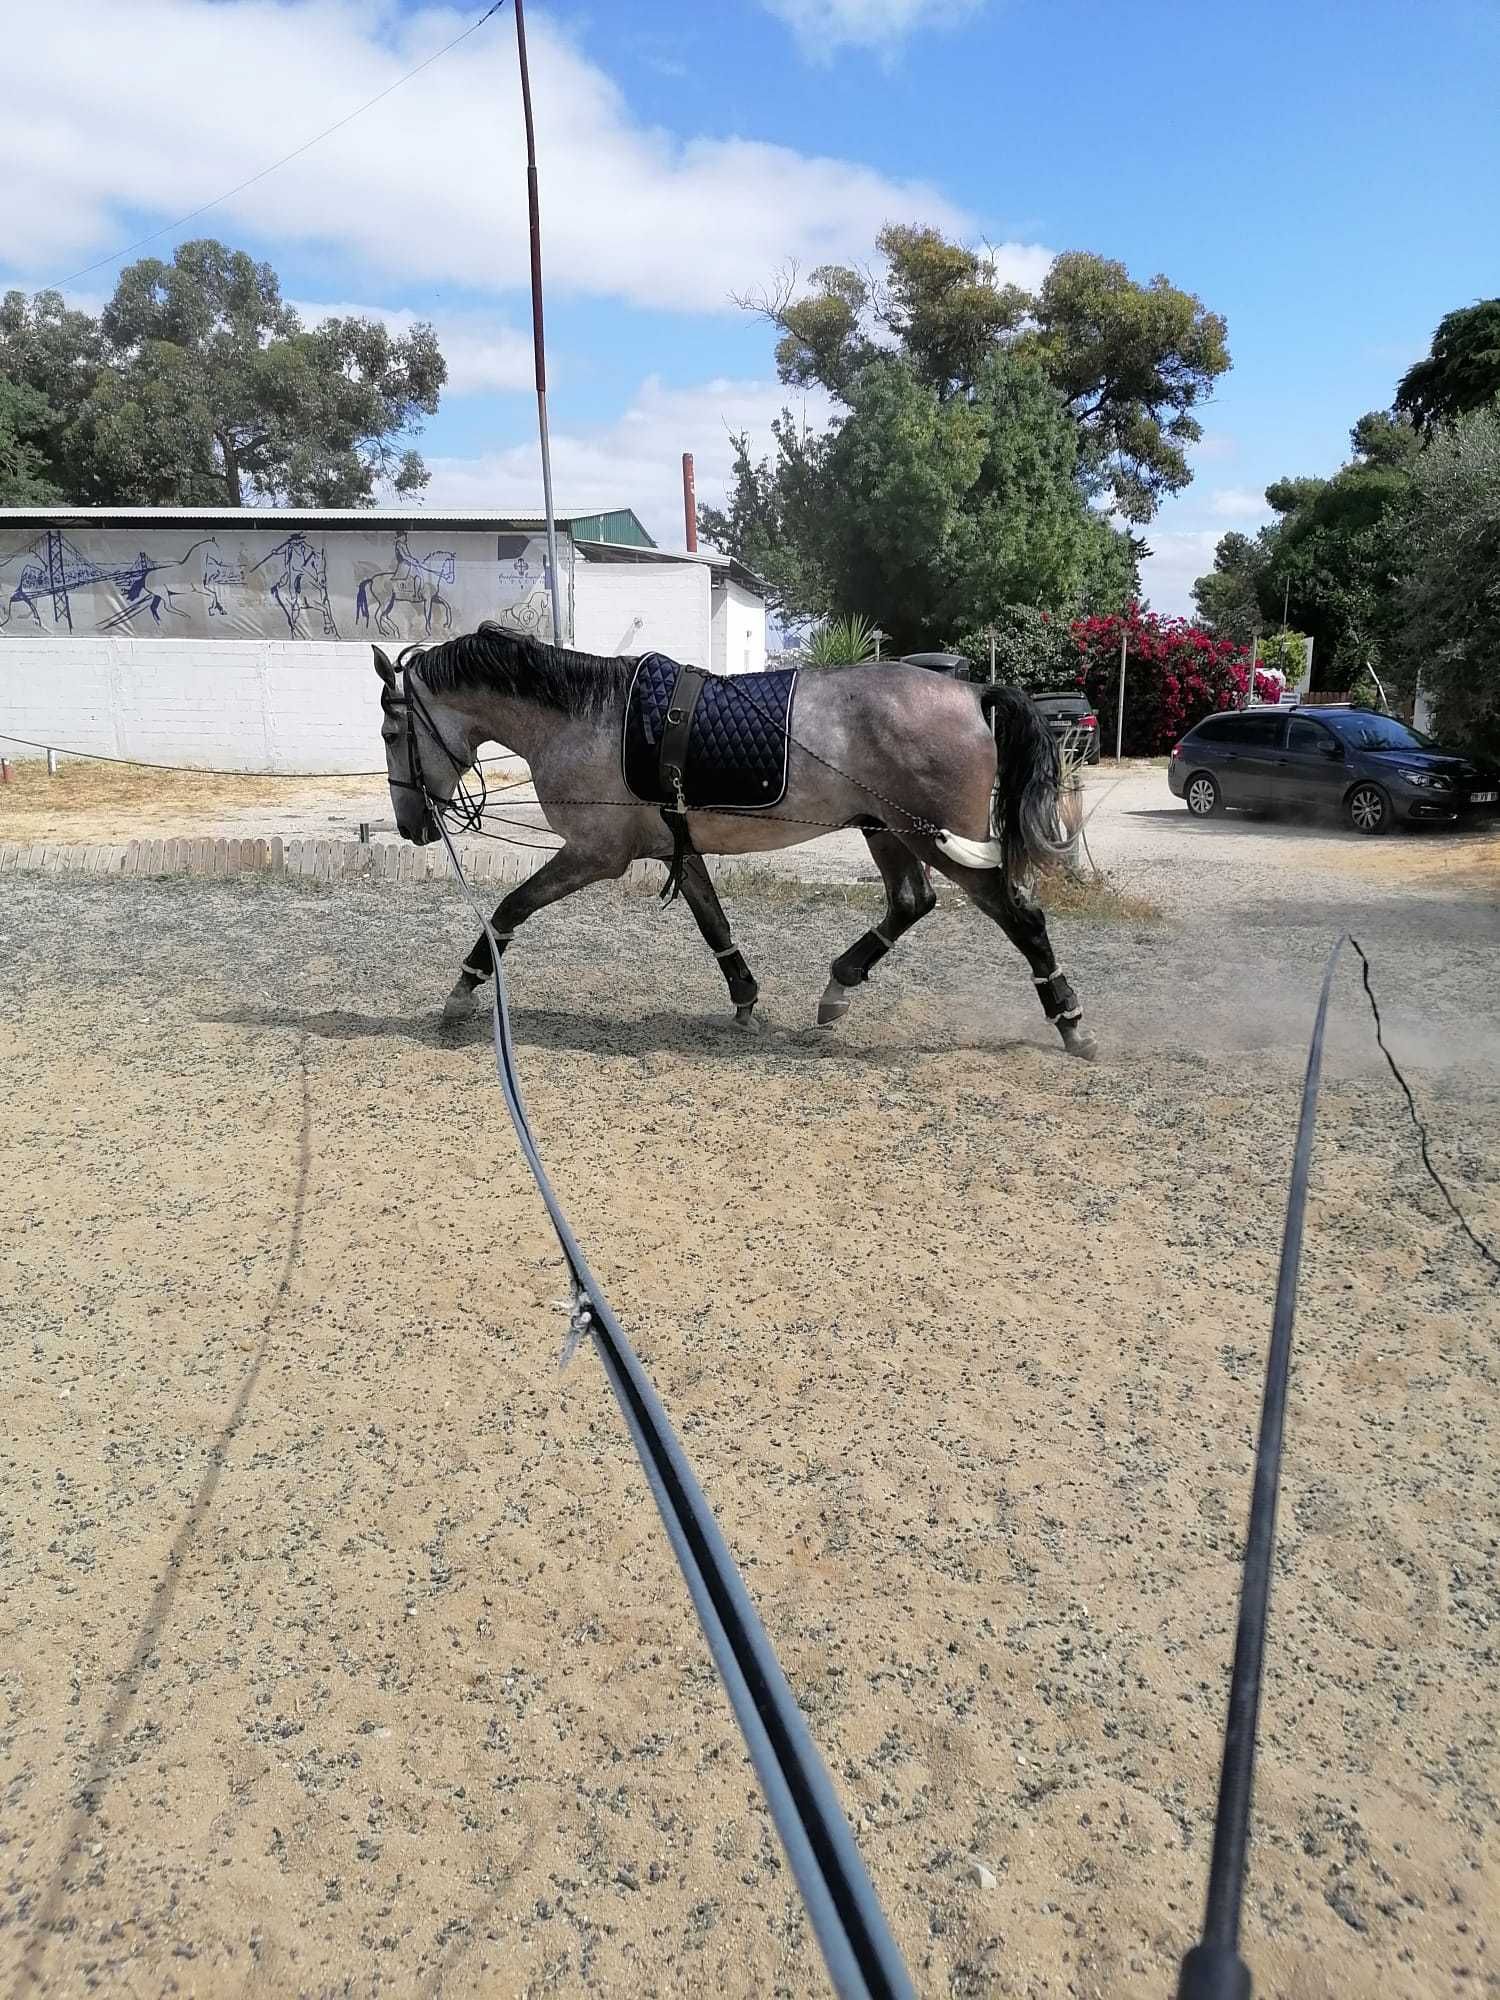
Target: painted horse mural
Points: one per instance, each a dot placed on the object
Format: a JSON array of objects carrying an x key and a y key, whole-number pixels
[{"x": 414, "y": 580}]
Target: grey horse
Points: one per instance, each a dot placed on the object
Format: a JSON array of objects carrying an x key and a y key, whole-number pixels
[{"x": 936, "y": 775}]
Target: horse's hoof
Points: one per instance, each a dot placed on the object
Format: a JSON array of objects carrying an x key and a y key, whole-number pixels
[
  {"x": 1078, "y": 1043},
  {"x": 744, "y": 1017},
  {"x": 459, "y": 1004},
  {"x": 834, "y": 1005}
]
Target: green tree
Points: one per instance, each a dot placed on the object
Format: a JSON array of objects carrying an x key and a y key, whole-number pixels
[
  {"x": 1461, "y": 372},
  {"x": 1033, "y": 650},
  {"x": 1385, "y": 441},
  {"x": 54, "y": 355},
  {"x": 25, "y": 423},
  {"x": 200, "y": 386},
  {"x": 1330, "y": 563},
  {"x": 768, "y": 520},
  {"x": 1227, "y": 599},
  {"x": 1450, "y": 593},
  {"x": 929, "y": 512},
  {"x": 1131, "y": 361},
  {"x": 1333, "y": 560}
]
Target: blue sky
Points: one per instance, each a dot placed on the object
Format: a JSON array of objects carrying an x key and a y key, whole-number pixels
[{"x": 1325, "y": 175}]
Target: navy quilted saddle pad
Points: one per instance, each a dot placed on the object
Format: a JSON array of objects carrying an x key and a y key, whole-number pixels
[{"x": 737, "y": 752}]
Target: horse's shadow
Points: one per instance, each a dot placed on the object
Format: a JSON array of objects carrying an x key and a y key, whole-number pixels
[{"x": 610, "y": 1035}]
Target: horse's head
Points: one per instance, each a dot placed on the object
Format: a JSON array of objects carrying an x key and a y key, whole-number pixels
[{"x": 427, "y": 748}]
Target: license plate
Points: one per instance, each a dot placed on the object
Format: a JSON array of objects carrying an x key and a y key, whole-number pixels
[{"x": 1483, "y": 798}]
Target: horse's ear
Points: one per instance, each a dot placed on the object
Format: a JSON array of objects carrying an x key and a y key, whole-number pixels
[{"x": 383, "y": 666}]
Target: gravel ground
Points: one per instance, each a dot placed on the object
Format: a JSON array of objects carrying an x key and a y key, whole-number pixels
[
  {"x": 344, "y": 1652},
  {"x": 1146, "y": 839}
]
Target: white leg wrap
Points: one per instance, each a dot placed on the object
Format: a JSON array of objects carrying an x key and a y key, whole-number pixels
[{"x": 970, "y": 853}]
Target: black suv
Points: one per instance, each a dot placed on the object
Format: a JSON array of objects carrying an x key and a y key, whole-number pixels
[
  {"x": 956, "y": 666},
  {"x": 1370, "y": 767},
  {"x": 1072, "y": 720}
]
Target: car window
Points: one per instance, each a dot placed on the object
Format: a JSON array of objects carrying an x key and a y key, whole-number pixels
[
  {"x": 1247, "y": 729},
  {"x": 1260, "y": 729},
  {"x": 1307, "y": 736},
  {"x": 1378, "y": 732}
]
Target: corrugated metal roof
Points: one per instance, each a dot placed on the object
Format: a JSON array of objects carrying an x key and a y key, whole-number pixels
[{"x": 710, "y": 559}]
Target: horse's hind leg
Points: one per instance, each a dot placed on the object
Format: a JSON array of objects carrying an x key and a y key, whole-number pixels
[
  {"x": 565, "y": 872},
  {"x": 908, "y": 898},
  {"x": 702, "y": 898},
  {"x": 1023, "y": 922}
]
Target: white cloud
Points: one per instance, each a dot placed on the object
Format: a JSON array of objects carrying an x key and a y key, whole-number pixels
[
  {"x": 482, "y": 352},
  {"x": 1216, "y": 444},
  {"x": 635, "y": 461},
  {"x": 1178, "y": 558},
  {"x": 1238, "y": 503},
  {"x": 825, "y": 25},
  {"x": 169, "y": 101}
]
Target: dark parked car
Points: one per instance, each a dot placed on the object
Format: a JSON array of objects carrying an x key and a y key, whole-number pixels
[
  {"x": 1070, "y": 718},
  {"x": 1369, "y": 767},
  {"x": 955, "y": 665}
]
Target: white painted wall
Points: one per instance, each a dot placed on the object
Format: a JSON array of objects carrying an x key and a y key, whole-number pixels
[
  {"x": 739, "y": 629},
  {"x": 225, "y": 704},
  {"x": 644, "y": 607},
  {"x": 745, "y": 638}
]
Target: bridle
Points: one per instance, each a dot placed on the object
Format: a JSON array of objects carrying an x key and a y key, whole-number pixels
[{"x": 465, "y": 802}]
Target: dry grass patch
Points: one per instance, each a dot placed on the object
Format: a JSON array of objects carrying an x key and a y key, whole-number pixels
[{"x": 35, "y": 806}]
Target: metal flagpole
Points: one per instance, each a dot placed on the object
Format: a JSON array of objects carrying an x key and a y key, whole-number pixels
[{"x": 538, "y": 341}]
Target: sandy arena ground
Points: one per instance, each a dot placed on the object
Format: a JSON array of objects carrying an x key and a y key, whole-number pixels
[{"x": 343, "y": 1653}]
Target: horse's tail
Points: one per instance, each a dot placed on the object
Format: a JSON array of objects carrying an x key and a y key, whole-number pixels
[
  {"x": 362, "y": 602},
  {"x": 1028, "y": 778}
]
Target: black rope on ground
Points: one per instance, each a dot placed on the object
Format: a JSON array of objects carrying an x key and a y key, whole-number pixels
[
  {"x": 1411, "y": 1104},
  {"x": 1213, "y": 1969}
]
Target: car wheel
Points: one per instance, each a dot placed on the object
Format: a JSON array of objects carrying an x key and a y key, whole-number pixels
[
  {"x": 1368, "y": 809},
  {"x": 1201, "y": 795}
]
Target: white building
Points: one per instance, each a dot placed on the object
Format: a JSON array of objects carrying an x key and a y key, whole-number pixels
[
  {"x": 240, "y": 639},
  {"x": 705, "y": 610}
]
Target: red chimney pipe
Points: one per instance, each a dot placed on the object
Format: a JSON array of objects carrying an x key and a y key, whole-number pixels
[{"x": 689, "y": 503}]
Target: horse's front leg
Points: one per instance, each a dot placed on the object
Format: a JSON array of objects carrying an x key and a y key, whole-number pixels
[
  {"x": 570, "y": 869},
  {"x": 702, "y": 898}
]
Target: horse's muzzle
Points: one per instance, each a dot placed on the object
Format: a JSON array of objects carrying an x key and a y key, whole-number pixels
[{"x": 423, "y": 833}]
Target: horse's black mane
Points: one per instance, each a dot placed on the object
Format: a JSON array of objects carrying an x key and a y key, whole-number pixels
[{"x": 508, "y": 663}]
